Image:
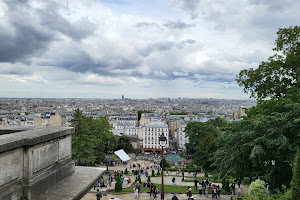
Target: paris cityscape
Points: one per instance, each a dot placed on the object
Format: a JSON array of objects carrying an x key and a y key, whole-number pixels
[{"x": 160, "y": 100}]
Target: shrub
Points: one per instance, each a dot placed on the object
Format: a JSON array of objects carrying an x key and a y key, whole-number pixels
[
  {"x": 153, "y": 173},
  {"x": 126, "y": 172},
  {"x": 158, "y": 173},
  {"x": 295, "y": 189},
  {"x": 227, "y": 188},
  {"x": 138, "y": 178},
  {"x": 223, "y": 183},
  {"x": 118, "y": 185},
  {"x": 149, "y": 179},
  {"x": 246, "y": 180},
  {"x": 257, "y": 190},
  {"x": 206, "y": 174}
]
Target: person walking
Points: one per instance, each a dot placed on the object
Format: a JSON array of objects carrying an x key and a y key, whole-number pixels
[
  {"x": 200, "y": 188},
  {"x": 206, "y": 190},
  {"x": 98, "y": 195},
  {"x": 196, "y": 182},
  {"x": 156, "y": 192},
  {"x": 152, "y": 190},
  {"x": 190, "y": 194},
  {"x": 174, "y": 197},
  {"x": 173, "y": 181}
]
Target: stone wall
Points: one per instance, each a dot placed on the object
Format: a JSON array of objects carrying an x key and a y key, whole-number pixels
[{"x": 33, "y": 160}]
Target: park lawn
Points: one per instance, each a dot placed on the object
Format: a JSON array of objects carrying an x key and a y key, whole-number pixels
[{"x": 168, "y": 189}]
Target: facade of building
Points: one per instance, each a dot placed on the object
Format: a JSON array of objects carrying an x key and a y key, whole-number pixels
[
  {"x": 151, "y": 135},
  {"x": 181, "y": 138}
]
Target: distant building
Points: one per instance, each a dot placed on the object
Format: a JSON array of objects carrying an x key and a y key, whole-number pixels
[
  {"x": 240, "y": 113},
  {"x": 151, "y": 135},
  {"x": 122, "y": 97},
  {"x": 181, "y": 138}
]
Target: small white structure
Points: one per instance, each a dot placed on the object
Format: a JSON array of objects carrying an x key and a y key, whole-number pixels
[{"x": 122, "y": 155}]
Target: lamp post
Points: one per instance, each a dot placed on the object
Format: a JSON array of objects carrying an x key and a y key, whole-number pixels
[
  {"x": 183, "y": 166},
  {"x": 162, "y": 142}
]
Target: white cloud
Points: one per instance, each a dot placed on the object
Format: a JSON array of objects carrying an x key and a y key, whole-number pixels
[{"x": 106, "y": 47}]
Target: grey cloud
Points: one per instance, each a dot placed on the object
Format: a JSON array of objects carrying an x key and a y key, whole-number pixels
[
  {"x": 190, "y": 6},
  {"x": 26, "y": 32},
  {"x": 170, "y": 25},
  {"x": 148, "y": 25},
  {"x": 20, "y": 39},
  {"x": 77, "y": 30},
  {"x": 183, "y": 43},
  {"x": 164, "y": 46},
  {"x": 178, "y": 25}
]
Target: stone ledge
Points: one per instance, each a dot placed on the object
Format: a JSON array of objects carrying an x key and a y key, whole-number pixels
[
  {"x": 75, "y": 186},
  {"x": 30, "y": 136}
]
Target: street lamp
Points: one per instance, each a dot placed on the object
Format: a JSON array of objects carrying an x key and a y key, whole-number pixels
[{"x": 162, "y": 142}]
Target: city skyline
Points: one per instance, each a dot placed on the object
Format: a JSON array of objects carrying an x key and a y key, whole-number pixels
[{"x": 139, "y": 49}]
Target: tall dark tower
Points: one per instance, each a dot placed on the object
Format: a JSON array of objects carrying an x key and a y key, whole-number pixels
[{"x": 122, "y": 97}]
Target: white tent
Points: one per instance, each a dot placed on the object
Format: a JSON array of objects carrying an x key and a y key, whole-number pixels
[{"x": 122, "y": 155}]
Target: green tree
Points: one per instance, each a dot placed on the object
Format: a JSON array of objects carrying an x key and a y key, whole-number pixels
[
  {"x": 149, "y": 179},
  {"x": 106, "y": 142},
  {"x": 295, "y": 190},
  {"x": 232, "y": 155},
  {"x": 118, "y": 185},
  {"x": 158, "y": 173},
  {"x": 201, "y": 143},
  {"x": 280, "y": 75},
  {"x": 82, "y": 139},
  {"x": 166, "y": 164},
  {"x": 125, "y": 144},
  {"x": 196, "y": 131},
  {"x": 153, "y": 174}
]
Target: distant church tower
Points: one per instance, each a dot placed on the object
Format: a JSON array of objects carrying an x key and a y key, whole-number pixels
[{"x": 122, "y": 97}]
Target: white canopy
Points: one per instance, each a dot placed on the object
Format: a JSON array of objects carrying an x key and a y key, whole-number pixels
[{"x": 122, "y": 155}]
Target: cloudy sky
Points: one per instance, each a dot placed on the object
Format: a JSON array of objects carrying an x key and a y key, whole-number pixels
[{"x": 136, "y": 48}]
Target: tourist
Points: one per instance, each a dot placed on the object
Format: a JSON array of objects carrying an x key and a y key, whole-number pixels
[
  {"x": 214, "y": 192},
  {"x": 109, "y": 180},
  {"x": 187, "y": 191},
  {"x": 98, "y": 195},
  {"x": 196, "y": 182},
  {"x": 206, "y": 190},
  {"x": 137, "y": 189},
  {"x": 200, "y": 188},
  {"x": 156, "y": 192},
  {"x": 174, "y": 197},
  {"x": 152, "y": 190},
  {"x": 190, "y": 194},
  {"x": 173, "y": 181}
]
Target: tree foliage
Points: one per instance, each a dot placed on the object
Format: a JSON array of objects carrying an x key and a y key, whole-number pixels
[
  {"x": 202, "y": 137},
  {"x": 118, "y": 185},
  {"x": 166, "y": 164},
  {"x": 257, "y": 190},
  {"x": 280, "y": 75},
  {"x": 92, "y": 138},
  {"x": 82, "y": 139},
  {"x": 125, "y": 144},
  {"x": 265, "y": 142}
]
